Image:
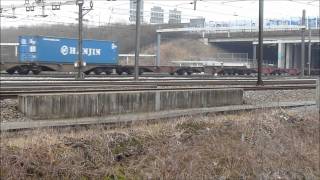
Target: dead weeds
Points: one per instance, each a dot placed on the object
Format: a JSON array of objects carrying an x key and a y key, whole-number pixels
[{"x": 264, "y": 144}]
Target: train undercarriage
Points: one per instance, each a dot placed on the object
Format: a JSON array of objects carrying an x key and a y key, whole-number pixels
[{"x": 24, "y": 69}]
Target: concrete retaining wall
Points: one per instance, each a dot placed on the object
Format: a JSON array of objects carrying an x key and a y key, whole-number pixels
[
  {"x": 56, "y": 106},
  {"x": 318, "y": 93}
]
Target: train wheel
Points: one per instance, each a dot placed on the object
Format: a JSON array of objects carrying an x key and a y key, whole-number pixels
[
  {"x": 189, "y": 73},
  {"x": 11, "y": 71},
  {"x": 181, "y": 72},
  {"x": 119, "y": 72},
  {"x": 97, "y": 71},
  {"x": 23, "y": 71},
  {"x": 36, "y": 71},
  {"x": 130, "y": 71},
  {"x": 108, "y": 72}
]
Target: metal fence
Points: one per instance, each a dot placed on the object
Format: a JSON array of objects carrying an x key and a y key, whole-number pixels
[{"x": 313, "y": 22}]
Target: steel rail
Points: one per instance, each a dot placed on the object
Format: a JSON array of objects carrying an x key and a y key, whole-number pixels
[
  {"x": 155, "y": 82},
  {"x": 131, "y": 76},
  {"x": 14, "y": 94}
]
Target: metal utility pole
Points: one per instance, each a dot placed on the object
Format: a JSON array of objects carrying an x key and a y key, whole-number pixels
[
  {"x": 158, "y": 49},
  {"x": 80, "y": 62},
  {"x": 13, "y": 11},
  {"x": 260, "y": 51},
  {"x": 303, "y": 29},
  {"x": 43, "y": 10},
  {"x": 309, "y": 51},
  {"x": 137, "y": 52}
]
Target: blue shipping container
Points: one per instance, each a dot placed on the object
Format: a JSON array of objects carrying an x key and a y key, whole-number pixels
[{"x": 65, "y": 51}]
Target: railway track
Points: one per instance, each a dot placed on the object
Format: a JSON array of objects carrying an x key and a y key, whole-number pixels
[
  {"x": 64, "y": 75},
  {"x": 162, "y": 82},
  {"x": 11, "y": 89},
  {"x": 11, "y": 93},
  {"x": 144, "y": 76},
  {"x": 131, "y": 78},
  {"x": 152, "y": 75}
]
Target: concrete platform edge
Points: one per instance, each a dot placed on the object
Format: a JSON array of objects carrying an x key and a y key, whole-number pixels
[{"x": 6, "y": 126}]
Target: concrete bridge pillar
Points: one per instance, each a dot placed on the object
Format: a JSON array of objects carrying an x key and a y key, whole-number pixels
[
  {"x": 289, "y": 56},
  {"x": 254, "y": 55},
  {"x": 297, "y": 56},
  {"x": 281, "y": 55}
]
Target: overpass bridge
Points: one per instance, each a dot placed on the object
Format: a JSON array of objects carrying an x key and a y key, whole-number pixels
[
  {"x": 282, "y": 44},
  {"x": 283, "y": 48}
]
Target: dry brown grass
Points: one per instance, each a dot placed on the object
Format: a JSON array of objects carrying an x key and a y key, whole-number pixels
[{"x": 265, "y": 144}]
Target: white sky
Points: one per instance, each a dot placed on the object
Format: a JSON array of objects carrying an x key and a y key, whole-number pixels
[{"x": 118, "y": 11}]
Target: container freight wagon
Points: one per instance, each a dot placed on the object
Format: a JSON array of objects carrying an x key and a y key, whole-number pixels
[{"x": 39, "y": 53}]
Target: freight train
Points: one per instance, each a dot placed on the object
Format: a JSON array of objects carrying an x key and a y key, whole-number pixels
[{"x": 39, "y": 53}]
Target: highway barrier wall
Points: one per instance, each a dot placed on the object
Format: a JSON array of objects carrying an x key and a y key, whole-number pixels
[{"x": 99, "y": 104}]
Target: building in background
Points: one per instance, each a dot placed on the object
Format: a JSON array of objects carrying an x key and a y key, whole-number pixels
[
  {"x": 133, "y": 5},
  {"x": 197, "y": 22},
  {"x": 174, "y": 16},
  {"x": 157, "y": 15}
]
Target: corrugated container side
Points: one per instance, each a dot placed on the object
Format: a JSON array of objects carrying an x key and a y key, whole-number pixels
[{"x": 64, "y": 51}]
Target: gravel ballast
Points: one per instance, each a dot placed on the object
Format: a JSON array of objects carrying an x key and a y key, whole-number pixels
[
  {"x": 9, "y": 111},
  {"x": 260, "y": 97}
]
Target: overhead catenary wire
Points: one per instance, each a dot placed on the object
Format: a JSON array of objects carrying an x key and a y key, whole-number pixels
[{"x": 118, "y": 10}]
